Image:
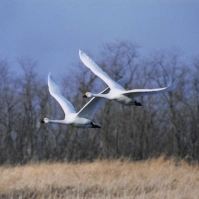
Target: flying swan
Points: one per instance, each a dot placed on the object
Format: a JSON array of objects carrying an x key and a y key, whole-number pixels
[
  {"x": 84, "y": 117},
  {"x": 117, "y": 92}
]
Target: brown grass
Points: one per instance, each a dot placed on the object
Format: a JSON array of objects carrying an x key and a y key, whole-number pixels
[{"x": 151, "y": 179}]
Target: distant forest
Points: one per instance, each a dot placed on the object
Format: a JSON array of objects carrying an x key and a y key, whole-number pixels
[{"x": 167, "y": 124}]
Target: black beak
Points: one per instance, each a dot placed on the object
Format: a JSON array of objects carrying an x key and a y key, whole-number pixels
[
  {"x": 84, "y": 96},
  {"x": 42, "y": 121}
]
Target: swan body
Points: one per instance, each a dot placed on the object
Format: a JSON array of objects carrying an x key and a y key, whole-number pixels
[
  {"x": 117, "y": 92},
  {"x": 112, "y": 96},
  {"x": 83, "y": 118}
]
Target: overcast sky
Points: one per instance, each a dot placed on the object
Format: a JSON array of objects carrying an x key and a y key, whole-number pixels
[{"x": 52, "y": 32}]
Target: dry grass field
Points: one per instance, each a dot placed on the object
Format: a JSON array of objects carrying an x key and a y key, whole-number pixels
[{"x": 151, "y": 179}]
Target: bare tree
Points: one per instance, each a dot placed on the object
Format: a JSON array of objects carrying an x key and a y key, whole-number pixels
[{"x": 166, "y": 124}]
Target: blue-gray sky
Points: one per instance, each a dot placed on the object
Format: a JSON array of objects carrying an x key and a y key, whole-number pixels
[{"x": 52, "y": 32}]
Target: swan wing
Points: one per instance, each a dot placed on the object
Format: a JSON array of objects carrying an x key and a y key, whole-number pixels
[
  {"x": 89, "y": 110},
  {"x": 141, "y": 92},
  {"x": 55, "y": 91},
  {"x": 123, "y": 80},
  {"x": 98, "y": 71}
]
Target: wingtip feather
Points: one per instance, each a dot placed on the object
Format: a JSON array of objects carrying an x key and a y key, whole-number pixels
[
  {"x": 51, "y": 81},
  {"x": 86, "y": 59},
  {"x": 81, "y": 53},
  {"x": 49, "y": 75},
  {"x": 172, "y": 84}
]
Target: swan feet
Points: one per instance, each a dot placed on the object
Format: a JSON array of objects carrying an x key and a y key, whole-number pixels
[
  {"x": 137, "y": 103},
  {"x": 95, "y": 125}
]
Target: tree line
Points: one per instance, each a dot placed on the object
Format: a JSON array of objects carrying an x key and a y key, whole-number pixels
[{"x": 167, "y": 124}]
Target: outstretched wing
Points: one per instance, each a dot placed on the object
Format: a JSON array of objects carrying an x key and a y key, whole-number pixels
[
  {"x": 141, "y": 92},
  {"x": 55, "y": 91},
  {"x": 98, "y": 71},
  {"x": 89, "y": 110}
]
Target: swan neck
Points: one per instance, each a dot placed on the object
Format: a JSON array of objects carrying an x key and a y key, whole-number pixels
[
  {"x": 101, "y": 95},
  {"x": 58, "y": 121}
]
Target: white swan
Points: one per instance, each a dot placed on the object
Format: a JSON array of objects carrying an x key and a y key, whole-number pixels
[
  {"x": 117, "y": 92},
  {"x": 84, "y": 117}
]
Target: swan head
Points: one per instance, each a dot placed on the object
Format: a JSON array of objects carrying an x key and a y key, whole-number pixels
[
  {"x": 88, "y": 94},
  {"x": 45, "y": 120}
]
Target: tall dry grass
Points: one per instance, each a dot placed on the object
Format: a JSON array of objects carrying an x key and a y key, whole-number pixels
[{"x": 151, "y": 179}]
